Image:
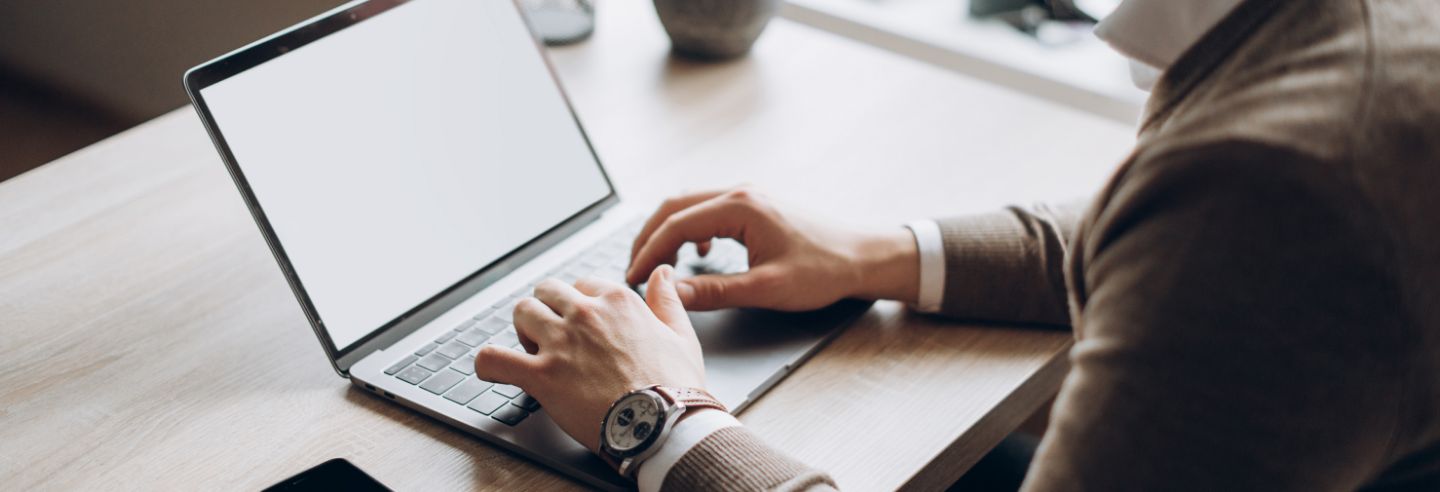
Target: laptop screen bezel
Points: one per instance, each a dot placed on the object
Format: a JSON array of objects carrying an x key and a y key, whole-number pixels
[{"x": 277, "y": 45}]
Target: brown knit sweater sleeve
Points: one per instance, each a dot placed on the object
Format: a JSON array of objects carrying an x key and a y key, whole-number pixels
[
  {"x": 1009, "y": 265},
  {"x": 734, "y": 460}
]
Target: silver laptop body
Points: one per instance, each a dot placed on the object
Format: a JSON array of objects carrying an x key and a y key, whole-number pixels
[{"x": 414, "y": 168}]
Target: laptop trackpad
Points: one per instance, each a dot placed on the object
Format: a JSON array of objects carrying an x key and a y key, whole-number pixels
[{"x": 745, "y": 348}]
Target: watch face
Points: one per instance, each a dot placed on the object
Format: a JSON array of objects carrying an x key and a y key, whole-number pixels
[{"x": 633, "y": 422}]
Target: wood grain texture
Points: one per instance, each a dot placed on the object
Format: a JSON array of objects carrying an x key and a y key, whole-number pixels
[{"x": 148, "y": 340}]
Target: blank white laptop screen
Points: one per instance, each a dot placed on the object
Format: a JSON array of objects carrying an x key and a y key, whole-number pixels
[{"x": 398, "y": 156}]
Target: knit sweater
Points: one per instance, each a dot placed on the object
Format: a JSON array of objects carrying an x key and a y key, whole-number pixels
[{"x": 1256, "y": 292}]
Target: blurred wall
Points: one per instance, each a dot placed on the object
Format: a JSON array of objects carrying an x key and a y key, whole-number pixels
[{"x": 126, "y": 57}]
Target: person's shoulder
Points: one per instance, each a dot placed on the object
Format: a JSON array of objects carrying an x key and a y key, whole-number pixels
[
  {"x": 1249, "y": 235},
  {"x": 1238, "y": 216},
  {"x": 1250, "y": 186}
]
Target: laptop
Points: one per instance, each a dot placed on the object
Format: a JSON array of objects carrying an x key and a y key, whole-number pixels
[{"x": 415, "y": 169}]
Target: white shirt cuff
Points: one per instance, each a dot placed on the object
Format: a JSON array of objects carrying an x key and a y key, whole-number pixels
[
  {"x": 684, "y": 436},
  {"x": 932, "y": 264}
]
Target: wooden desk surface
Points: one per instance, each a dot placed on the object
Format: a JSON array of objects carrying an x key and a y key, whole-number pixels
[{"x": 147, "y": 339}]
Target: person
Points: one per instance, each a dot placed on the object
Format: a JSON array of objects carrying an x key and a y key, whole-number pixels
[{"x": 1255, "y": 294}]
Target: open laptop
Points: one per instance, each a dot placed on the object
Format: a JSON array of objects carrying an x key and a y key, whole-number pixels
[{"x": 415, "y": 169}]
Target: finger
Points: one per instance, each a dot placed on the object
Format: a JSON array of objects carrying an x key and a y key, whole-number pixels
[
  {"x": 595, "y": 287},
  {"x": 668, "y": 207},
  {"x": 718, "y": 217},
  {"x": 711, "y": 292},
  {"x": 558, "y": 296},
  {"x": 703, "y": 248},
  {"x": 665, "y": 302},
  {"x": 535, "y": 323},
  {"x": 504, "y": 365}
]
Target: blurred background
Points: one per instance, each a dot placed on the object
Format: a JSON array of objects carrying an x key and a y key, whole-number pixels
[{"x": 73, "y": 72}]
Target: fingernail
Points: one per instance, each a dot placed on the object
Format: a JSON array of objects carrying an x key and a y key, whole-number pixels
[{"x": 684, "y": 291}]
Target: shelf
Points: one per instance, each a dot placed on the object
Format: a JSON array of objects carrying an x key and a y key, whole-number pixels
[{"x": 1083, "y": 72}]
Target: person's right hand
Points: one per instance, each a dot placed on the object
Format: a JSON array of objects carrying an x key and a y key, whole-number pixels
[{"x": 796, "y": 264}]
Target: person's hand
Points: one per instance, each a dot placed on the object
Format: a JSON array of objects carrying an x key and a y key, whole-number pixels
[
  {"x": 588, "y": 345},
  {"x": 796, "y": 264}
]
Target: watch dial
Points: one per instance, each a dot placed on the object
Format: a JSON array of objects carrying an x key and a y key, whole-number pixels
[{"x": 632, "y": 421}]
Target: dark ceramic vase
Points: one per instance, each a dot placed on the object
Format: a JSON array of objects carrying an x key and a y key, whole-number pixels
[{"x": 714, "y": 28}]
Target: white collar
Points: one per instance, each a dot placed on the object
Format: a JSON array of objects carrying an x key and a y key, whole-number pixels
[{"x": 1154, "y": 33}]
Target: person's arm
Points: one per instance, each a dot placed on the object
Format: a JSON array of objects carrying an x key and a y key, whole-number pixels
[
  {"x": 1239, "y": 332},
  {"x": 734, "y": 459},
  {"x": 1001, "y": 266}
]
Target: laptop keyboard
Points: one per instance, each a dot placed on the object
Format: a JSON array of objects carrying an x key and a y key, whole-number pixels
[{"x": 446, "y": 366}]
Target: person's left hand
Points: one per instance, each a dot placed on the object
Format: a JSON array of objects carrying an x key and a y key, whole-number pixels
[{"x": 590, "y": 344}]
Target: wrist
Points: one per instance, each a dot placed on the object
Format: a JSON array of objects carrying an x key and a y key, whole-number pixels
[
  {"x": 639, "y": 424},
  {"x": 887, "y": 266},
  {"x": 698, "y": 425}
]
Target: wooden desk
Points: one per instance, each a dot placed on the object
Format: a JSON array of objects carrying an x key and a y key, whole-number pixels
[{"x": 148, "y": 341}]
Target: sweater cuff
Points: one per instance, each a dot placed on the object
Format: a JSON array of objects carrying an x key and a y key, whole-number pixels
[
  {"x": 1007, "y": 266},
  {"x": 684, "y": 436},
  {"x": 734, "y": 460}
]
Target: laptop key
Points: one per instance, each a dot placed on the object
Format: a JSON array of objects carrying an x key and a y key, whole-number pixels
[
  {"x": 507, "y": 313},
  {"x": 488, "y": 402},
  {"x": 466, "y": 365},
  {"x": 446, "y": 337},
  {"x": 506, "y": 338},
  {"x": 413, "y": 375},
  {"x": 433, "y": 362},
  {"x": 465, "y": 325},
  {"x": 620, "y": 262},
  {"x": 400, "y": 365},
  {"x": 484, "y": 313},
  {"x": 429, "y": 347},
  {"x": 442, "y": 381},
  {"x": 453, "y": 350},
  {"x": 510, "y": 415},
  {"x": 582, "y": 270},
  {"x": 507, "y": 390},
  {"x": 554, "y": 272},
  {"x": 473, "y": 338},
  {"x": 526, "y": 402},
  {"x": 467, "y": 390},
  {"x": 493, "y": 325},
  {"x": 595, "y": 260}
]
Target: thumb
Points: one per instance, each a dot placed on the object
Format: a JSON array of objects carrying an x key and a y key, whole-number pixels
[
  {"x": 504, "y": 365},
  {"x": 664, "y": 301},
  {"x": 710, "y": 292}
]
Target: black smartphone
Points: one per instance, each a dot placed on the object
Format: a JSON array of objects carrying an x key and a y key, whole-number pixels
[{"x": 336, "y": 474}]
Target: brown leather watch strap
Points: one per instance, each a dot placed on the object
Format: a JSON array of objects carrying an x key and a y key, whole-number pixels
[{"x": 691, "y": 398}]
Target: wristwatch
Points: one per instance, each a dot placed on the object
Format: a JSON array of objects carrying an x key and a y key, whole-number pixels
[{"x": 639, "y": 422}]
